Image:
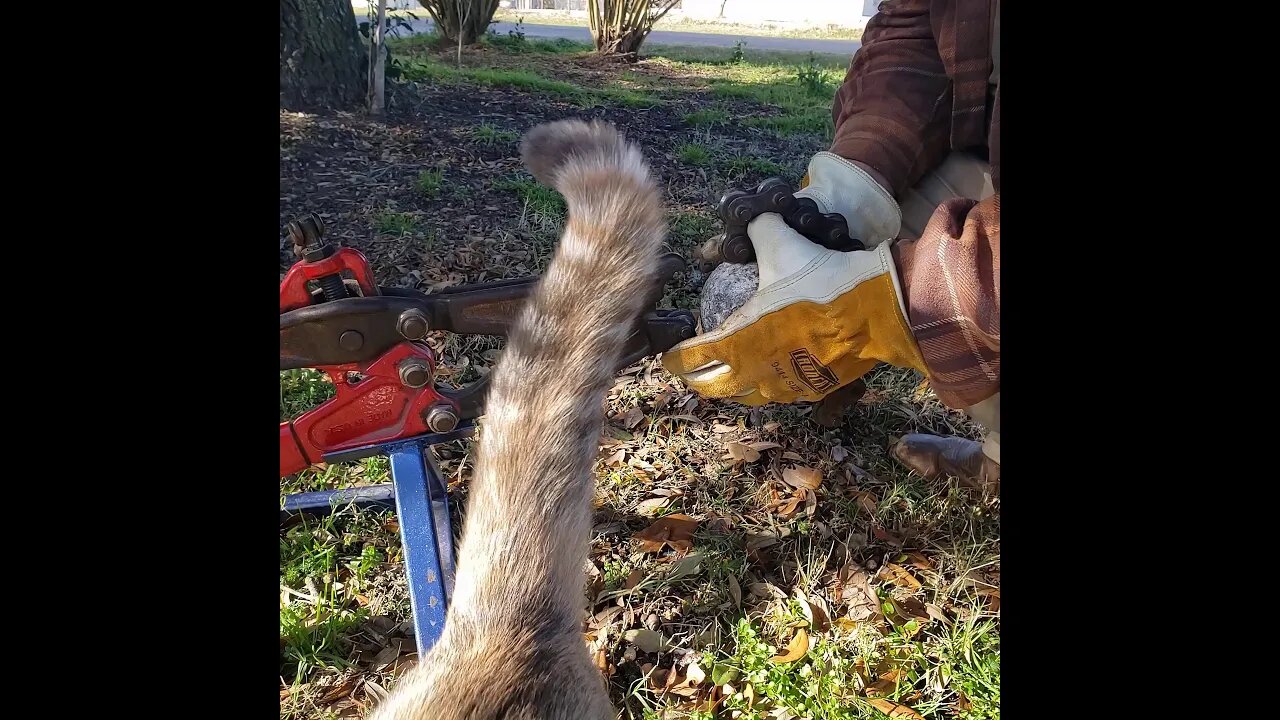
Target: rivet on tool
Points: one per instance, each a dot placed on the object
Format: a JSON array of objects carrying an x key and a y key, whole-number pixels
[
  {"x": 415, "y": 373},
  {"x": 413, "y": 324},
  {"x": 351, "y": 340},
  {"x": 442, "y": 418}
]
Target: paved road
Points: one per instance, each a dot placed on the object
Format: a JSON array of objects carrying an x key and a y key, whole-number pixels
[{"x": 671, "y": 37}]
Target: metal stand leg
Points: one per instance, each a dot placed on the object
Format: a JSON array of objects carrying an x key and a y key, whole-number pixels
[
  {"x": 325, "y": 502},
  {"x": 427, "y": 536},
  {"x": 426, "y": 533}
]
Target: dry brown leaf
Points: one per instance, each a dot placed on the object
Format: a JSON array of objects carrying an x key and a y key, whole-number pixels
[
  {"x": 340, "y": 690},
  {"x": 771, "y": 426},
  {"x": 616, "y": 459},
  {"x": 633, "y": 579},
  {"x": 735, "y": 591},
  {"x": 791, "y": 455},
  {"x": 899, "y": 576},
  {"x": 767, "y": 590},
  {"x": 391, "y": 525},
  {"x": 910, "y": 609},
  {"x": 722, "y": 428},
  {"x": 602, "y": 663},
  {"x": 802, "y": 477},
  {"x": 937, "y": 613},
  {"x": 886, "y": 536},
  {"x": 652, "y": 505},
  {"x": 881, "y": 687},
  {"x": 656, "y": 678},
  {"x": 763, "y": 445},
  {"x": 919, "y": 561},
  {"x": 796, "y": 649},
  {"x": 865, "y": 500},
  {"x": 894, "y": 710},
  {"x": 386, "y": 657},
  {"x": 694, "y": 674},
  {"x": 647, "y": 640},
  {"x": 632, "y": 418},
  {"x": 739, "y": 452},
  {"x": 862, "y": 599},
  {"x": 675, "y": 530},
  {"x": 818, "y": 613},
  {"x": 789, "y": 506}
]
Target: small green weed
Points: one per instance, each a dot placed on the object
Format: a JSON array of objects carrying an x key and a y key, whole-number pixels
[
  {"x": 691, "y": 228},
  {"x": 489, "y": 135},
  {"x": 812, "y": 76},
  {"x": 545, "y": 204},
  {"x": 757, "y": 165},
  {"x": 532, "y": 82},
  {"x": 706, "y": 118},
  {"x": 395, "y": 223},
  {"x": 429, "y": 182},
  {"x": 694, "y": 154}
]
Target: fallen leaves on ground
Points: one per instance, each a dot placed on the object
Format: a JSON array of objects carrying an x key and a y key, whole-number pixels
[
  {"x": 899, "y": 576},
  {"x": 647, "y": 640},
  {"x": 894, "y": 710},
  {"x": 802, "y": 477},
  {"x": 796, "y": 649},
  {"x": 740, "y": 452},
  {"x": 675, "y": 530}
]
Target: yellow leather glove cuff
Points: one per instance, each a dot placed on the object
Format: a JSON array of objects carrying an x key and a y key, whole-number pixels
[{"x": 820, "y": 320}]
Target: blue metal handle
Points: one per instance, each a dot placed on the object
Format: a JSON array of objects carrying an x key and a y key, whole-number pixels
[
  {"x": 325, "y": 502},
  {"x": 426, "y": 534}
]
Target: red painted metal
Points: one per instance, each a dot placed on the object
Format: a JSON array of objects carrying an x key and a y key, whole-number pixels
[
  {"x": 372, "y": 404},
  {"x": 375, "y": 408},
  {"x": 293, "y": 289}
]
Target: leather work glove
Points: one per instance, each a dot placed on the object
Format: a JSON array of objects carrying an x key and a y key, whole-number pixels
[
  {"x": 839, "y": 186},
  {"x": 819, "y": 320}
]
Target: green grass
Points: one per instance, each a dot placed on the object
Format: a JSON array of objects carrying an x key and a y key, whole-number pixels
[
  {"x": 517, "y": 44},
  {"x": 395, "y": 223},
  {"x": 545, "y": 207},
  {"x": 756, "y": 165},
  {"x": 705, "y": 118},
  {"x": 429, "y": 182},
  {"x": 689, "y": 228},
  {"x": 694, "y": 154},
  {"x": 490, "y": 135},
  {"x": 817, "y": 122},
  {"x": 529, "y": 81}
]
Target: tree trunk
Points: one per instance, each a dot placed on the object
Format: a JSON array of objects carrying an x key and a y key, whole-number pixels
[
  {"x": 322, "y": 61},
  {"x": 625, "y": 45},
  {"x": 378, "y": 75},
  {"x": 461, "y": 20}
]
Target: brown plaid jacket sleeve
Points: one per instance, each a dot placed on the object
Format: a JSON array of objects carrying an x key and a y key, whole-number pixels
[
  {"x": 917, "y": 89},
  {"x": 893, "y": 110}
]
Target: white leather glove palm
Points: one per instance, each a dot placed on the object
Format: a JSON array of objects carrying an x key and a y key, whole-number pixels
[{"x": 839, "y": 186}]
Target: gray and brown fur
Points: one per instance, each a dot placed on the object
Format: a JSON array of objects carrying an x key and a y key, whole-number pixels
[{"x": 512, "y": 646}]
